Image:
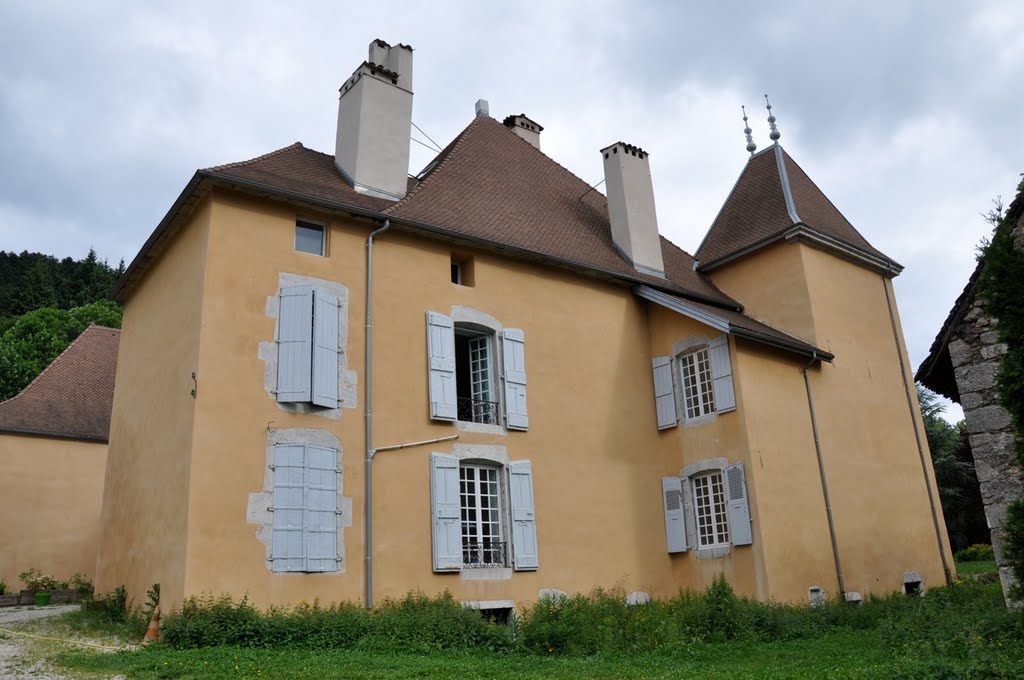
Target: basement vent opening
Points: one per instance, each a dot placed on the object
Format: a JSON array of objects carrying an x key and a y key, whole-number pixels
[{"x": 500, "y": 615}]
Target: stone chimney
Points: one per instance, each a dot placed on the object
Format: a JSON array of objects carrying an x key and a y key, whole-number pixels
[
  {"x": 374, "y": 122},
  {"x": 525, "y": 128},
  {"x": 627, "y": 174}
]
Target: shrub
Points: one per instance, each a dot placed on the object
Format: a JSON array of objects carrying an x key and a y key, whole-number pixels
[
  {"x": 36, "y": 581},
  {"x": 979, "y": 552},
  {"x": 3, "y": 587},
  {"x": 81, "y": 584},
  {"x": 1013, "y": 544}
]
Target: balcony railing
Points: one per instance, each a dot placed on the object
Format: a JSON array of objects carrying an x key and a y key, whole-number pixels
[
  {"x": 483, "y": 554},
  {"x": 478, "y": 411}
]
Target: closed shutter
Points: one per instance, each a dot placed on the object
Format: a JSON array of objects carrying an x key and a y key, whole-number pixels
[
  {"x": 446, "y": 525},
  {"x": 325, "y": 350},
  {"x": 524, "y": 521},
  {"x": 675, "y": 521},
  {"x": 321, "y": 523},
  {"x": 515, "y": 379},
  {"x": 664, "y": 392},
  {"x": 441, "y": 360},
  {"x": 739, "y": 510},
  {"x": 721, "y": 371},
  {"x": 294, "y": 344},
  {"x": 288, "y": 547}
]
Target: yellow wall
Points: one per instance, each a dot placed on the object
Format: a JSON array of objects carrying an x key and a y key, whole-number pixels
[
  {"x": 147, "y": 477},
  {"x": 57, "y": 536}
]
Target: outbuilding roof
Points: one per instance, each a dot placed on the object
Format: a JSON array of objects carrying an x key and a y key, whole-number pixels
[{"x": 73, "y": 396}]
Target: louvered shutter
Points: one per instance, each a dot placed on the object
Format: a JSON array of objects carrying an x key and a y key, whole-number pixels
[
  {"x": 664, "y": 392},
  {"x": 739, "y": 511},
  {"x": 721, "y": 371},
  {"x": 294, "y": 344},
  {"x": 514, "y": 354},
  {"x": 325, "y": 349},
  {"x": 321, "y": 523},
  {"x": 446, "y": 523},
  {"x": 675, "y": 521},
  {"x": 288, "y": 547},
  {"x": 524, "y": 521},
  {"x": 441, "y": 360}
]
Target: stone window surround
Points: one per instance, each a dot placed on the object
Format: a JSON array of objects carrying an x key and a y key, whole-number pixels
[
  {"x": 717, "y": 464},
  {"x": 497, "y": 456},
  {"x": 258, "y": 509},
  {"x": 679, "y": 348},
  {"x": 468, "y": 315}
]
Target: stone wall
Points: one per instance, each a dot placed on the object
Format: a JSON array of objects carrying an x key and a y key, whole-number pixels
[{"x": 975, "y": 352}]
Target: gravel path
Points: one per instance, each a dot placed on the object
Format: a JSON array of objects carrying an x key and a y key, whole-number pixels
[{"x": 14, "y": 663}]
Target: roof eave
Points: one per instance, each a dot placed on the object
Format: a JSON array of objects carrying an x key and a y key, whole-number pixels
[{"x": 55, "y": 435}]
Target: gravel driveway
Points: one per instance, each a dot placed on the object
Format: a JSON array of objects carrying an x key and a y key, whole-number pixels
[{"x": 14, "y": 663}]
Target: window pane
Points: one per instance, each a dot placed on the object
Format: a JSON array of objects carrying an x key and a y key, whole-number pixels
[{"x": 309, "y": 238}]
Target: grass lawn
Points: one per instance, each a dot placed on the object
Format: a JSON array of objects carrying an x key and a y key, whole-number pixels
[{"x": 971, "y": 568}]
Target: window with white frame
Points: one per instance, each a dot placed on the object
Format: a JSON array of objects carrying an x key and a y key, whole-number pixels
[
  {"x": 698, "y": 390},
  {"x": 481, "y": 514},
  {"x": 710, "y": 510}
]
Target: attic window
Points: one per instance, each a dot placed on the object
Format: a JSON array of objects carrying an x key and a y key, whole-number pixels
[
  {"x": 309, "y": 238},
  {"x": 462, "y": 270}
]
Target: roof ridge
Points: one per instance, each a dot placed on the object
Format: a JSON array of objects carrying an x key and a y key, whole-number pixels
[
  {"x": 51, "y": 364},
  {"x": 728, "y": 197},
  {"x": 237, "y": 164},
  {"x": 448, "y": 152}
]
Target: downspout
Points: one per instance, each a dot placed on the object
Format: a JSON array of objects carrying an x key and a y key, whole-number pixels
[
  {"x": 824, "y": 481},
  {"x": 917, "y": 432},
  {"x": 368, "y": 399}
]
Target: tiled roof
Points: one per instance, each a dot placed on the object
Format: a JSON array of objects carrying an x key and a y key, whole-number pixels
[
  {"x": 72, "y": 397},
  {"x": 772, "y": 195}
]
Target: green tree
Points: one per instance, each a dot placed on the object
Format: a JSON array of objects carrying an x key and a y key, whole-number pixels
[{"x": 37, "y": 337}]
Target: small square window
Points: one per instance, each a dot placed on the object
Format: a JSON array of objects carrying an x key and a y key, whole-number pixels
[
  {"x": 309, "y": 238},
  {"x": 462, "y": 270}
]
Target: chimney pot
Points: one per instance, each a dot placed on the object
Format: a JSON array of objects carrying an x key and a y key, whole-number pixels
[{"x": 526, "y": 128}]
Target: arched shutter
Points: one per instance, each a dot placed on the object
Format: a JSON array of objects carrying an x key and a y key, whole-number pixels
[
  {"x": 446, "y": 526},
  {"x": 675, "y": 521},
  {"x": 513, "y": 350},
  {"x": 294, "y": 344},
  {"x": 721, "y": 372},
  {"x": 664, "y": 392},
  {"x": 739, "y": 510},
  {"x": 441, "y": 365},
  {"x": 524, "y": 521},
  {"x": 325, "y": 350}
]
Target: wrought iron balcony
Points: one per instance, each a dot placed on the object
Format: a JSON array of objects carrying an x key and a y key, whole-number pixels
[
  {"x": 476, "y": 555},
  {"x": 478, "y": 411}
]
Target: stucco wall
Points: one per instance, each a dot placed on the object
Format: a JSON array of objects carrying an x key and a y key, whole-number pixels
[
  {"x": 145, "y": 500},
  {"x": 50, "y": 506}
]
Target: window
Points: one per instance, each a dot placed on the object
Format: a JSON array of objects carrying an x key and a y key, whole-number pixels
[
  {"x": 483, "y": 514},
  {"x": 305, "y": 529},
  {"x": 701, "y": 385},
  {"x": 462, "y": 270},
  {"x": 482, "y": 544},
  {"x": 307, "y": 347},
  {"x": 698, "y": 393},
  {"x": 463, "y": 365},
  {"x": 309, "y": 238},
  {"x": 710, "y": 510}
]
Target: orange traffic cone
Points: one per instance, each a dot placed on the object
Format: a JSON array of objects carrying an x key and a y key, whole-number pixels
[{"x": 153, "y": 629}]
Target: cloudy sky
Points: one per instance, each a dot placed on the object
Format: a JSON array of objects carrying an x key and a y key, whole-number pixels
[{"x": 906, "y": 114}]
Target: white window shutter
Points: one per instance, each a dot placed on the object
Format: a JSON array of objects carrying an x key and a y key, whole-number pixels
[
  {"x": 513, "y": 350},
  {"x": 446, "y": 524},
  {"x": 325, "y": 349},
  {"x": 524, "y": 520},
  {"x": 295, "y": 344},
  {"x": 321, "y": 523},
  {"x": 675, "y": 520},
  {"x": 664, "y": 392},
  {"x": 441, "y": 360},
  {"x": 721, "y": 371},
  {"x": 288, "y": 546},
  {"x": 739, "y": 510}
]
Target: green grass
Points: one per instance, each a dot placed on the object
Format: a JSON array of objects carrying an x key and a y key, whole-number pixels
[{"x": 971, "y": 568}]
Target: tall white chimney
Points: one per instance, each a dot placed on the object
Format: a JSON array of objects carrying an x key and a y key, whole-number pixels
[
  {"x": 627, "y": 175},
  {"x": 374, "y": 122}
]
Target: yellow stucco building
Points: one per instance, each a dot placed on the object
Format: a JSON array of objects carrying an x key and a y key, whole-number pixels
[{"x": 342, "y": 382}]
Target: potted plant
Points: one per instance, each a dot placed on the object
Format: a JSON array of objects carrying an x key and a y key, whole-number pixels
[{"x": 39, "y": 585}]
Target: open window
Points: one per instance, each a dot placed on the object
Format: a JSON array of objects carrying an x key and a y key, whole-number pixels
[{"x": 475, "y": 383}]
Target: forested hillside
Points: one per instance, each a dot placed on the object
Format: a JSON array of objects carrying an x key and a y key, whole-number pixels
[{"x": 44, "y": 304}]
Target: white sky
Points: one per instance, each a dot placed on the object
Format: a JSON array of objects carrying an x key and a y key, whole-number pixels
[{"x": 906, "y": 114}]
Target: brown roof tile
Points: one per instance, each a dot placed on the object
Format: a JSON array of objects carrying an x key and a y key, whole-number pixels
[
  {"x": 756, "y": 210},
  {"x": 72, "y": 397}
]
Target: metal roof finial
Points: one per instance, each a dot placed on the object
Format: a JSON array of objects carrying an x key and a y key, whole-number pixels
[
  {"x": 751, "y": 147},
  {"x": 774, "y": 134}
]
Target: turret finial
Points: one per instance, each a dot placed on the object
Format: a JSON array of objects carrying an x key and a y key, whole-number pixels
[
  {"x": 774, "y": 134},
  {"x": 751, "y": 147}
]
